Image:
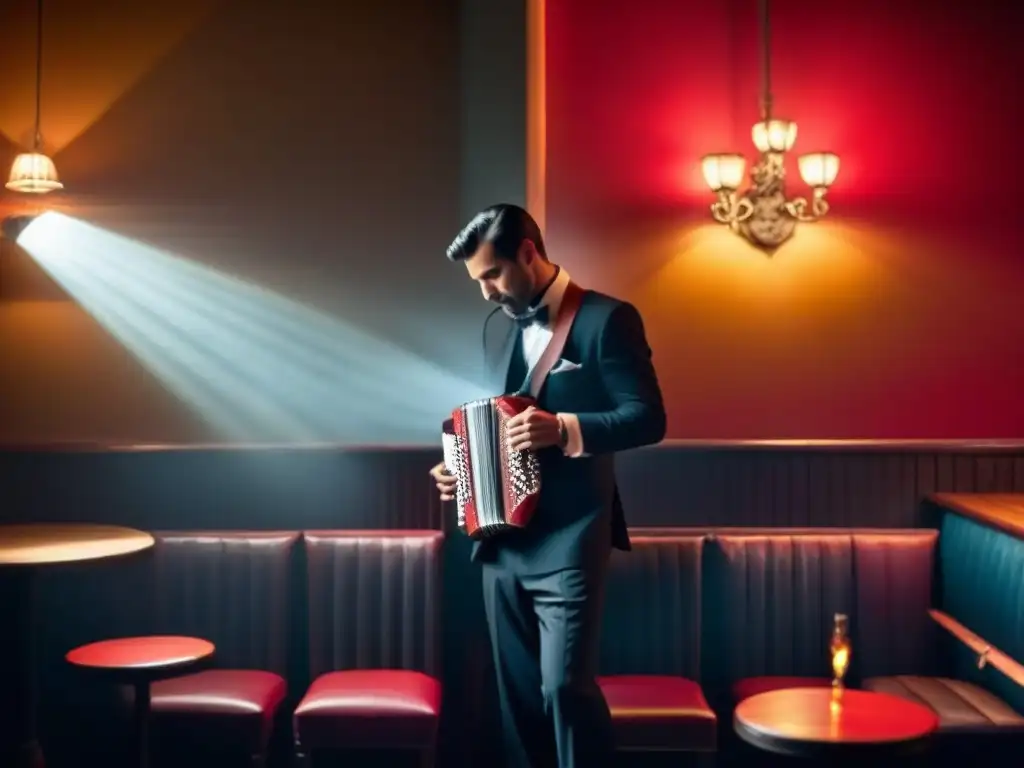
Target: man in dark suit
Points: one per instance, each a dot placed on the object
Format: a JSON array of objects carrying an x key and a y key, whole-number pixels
[{"x": 544, "y": 585}]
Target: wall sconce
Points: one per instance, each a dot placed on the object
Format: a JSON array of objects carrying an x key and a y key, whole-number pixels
[{"x": 762, "y": 213}]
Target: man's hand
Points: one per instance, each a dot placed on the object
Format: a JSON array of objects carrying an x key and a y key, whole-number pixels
[
  {"x": 445, "y": 482},
  {"x": 534, "y": 429}
]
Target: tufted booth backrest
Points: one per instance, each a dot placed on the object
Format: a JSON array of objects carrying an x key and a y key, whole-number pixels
[
  {"x": 234, "y": 588},
  {"x": 652, "y": 618},
  {"x": 374, "y": 600},
  {"x": 770, "y": 598}
]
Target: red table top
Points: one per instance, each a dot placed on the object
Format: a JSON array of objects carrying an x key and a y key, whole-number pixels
[
  {"x": 814, "y": 715},
  {"x": 156, "y": 652}
]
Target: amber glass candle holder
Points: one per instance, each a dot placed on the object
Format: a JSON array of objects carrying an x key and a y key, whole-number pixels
[{"x": 839, "y": 648}]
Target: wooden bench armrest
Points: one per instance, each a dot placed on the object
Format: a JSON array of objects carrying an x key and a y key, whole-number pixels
[{"x": 987, "y": 654}]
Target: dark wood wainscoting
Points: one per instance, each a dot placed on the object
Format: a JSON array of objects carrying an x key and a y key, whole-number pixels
[
  {"x": 768, "y": 483},
  {"x": 795, "y": 484}
]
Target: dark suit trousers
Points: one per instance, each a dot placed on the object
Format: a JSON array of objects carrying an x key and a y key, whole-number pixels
[{"x": 545, "y": 636}]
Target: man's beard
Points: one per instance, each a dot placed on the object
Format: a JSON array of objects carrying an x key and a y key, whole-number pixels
[{"x": 512, "y": 304}]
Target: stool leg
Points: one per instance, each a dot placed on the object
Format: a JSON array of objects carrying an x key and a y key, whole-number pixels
[
  {"x": 142, "y": 723},
  {"x": 18, "y": 744}
]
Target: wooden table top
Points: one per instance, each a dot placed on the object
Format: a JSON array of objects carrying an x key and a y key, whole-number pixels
[
  {"x": 1000, "y": 510},
  {"x": 806, "y": 721},
  {"x": 51, "y": 543},
  {"x": 141, "y": 653}
]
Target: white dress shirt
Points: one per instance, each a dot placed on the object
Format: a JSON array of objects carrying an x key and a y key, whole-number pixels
[{"x": 535, "y": 340}]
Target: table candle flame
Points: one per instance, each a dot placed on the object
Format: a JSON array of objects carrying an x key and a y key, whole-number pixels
[{"x": 840, "y": 661}]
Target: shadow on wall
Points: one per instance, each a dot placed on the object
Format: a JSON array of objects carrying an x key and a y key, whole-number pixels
[{"x": 311, "y": 150}]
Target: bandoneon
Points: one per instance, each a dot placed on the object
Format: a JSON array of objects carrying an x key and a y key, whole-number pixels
[{"x": 497, "y": 488}]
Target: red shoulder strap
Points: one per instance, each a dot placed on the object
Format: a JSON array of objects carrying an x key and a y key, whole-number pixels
[{"x": 571, "y": 300}]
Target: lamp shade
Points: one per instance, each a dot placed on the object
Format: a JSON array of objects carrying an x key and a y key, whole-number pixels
[
  {"x": 774, "y": 135},
  {"x": 723, "y": 171},
  {"x": 33, "y": 172},
  {"x": 819, "y": 169}
]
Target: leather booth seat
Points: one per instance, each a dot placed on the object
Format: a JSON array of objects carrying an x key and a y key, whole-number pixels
[
  {"x": 659, "y": 712},
  {"x": 650, "y": 645},
  {"x": 234, "y": 588},
  {"x": 370, "y": 709},
  {"x": 233, "y": 708},
  {"x": 963, "y": 707},
  {"x": 975, "y": 725},
  {"x": 374, "y": 642}
]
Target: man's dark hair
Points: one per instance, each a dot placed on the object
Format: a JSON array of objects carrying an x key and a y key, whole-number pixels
[{"x": 504, "y": 226}]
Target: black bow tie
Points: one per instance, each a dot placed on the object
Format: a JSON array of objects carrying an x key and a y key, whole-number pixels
[{"x": 535, "y": 316}]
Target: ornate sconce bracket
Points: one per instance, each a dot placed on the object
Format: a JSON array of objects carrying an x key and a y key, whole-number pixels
[{"x": 762, "y": 213}]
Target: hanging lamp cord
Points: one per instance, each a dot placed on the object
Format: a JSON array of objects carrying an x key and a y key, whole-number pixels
[{"x": 39, "y": 69}]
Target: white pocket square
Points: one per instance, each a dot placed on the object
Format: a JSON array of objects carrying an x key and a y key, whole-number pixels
[{"x": 564, "y": 366}]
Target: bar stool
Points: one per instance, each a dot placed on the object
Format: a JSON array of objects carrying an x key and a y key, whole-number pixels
[{"x": 139, "y": 662}]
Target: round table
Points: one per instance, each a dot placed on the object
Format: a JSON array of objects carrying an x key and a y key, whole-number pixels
[
  {"x": 821, "y": 722},
  {"x": 24, "y": 549},
  {"x": 140, "y": 661},
  {"x": 143, "y": 657}
]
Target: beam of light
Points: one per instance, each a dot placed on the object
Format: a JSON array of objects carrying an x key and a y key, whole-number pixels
[{"x": 254, "y": 365}]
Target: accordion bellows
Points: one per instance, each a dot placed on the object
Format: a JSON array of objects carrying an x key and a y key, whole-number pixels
[{"x": 497, "y": 488}]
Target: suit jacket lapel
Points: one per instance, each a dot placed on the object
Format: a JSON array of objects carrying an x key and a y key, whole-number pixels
[{"x": 505, "y": 359}]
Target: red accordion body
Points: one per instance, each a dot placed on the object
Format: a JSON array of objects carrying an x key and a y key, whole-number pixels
[{"x": 496, "y": 488}]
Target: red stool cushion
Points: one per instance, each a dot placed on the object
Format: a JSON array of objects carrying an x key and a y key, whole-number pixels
[
  {"x": 368, "y": 708},
  {"x": 651, "y": 712},
  {"x": 751, "y": 686},
  {"x": 229, "y": 708}
]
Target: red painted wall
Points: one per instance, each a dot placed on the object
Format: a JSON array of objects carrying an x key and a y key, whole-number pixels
[{"x": 902, "y": 314}]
